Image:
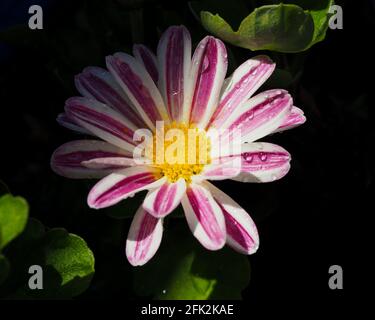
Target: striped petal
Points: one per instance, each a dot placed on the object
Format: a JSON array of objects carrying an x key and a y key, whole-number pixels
[
  {"x": 262, "y": 162},
  {"x": 145, "y": 57},
  {"x": 122, "y": 184},
  {"x": 163, "y": 200},
  {"x": 209, "y": 66},
  {"x": 63, "y": 120},
  {"x": 245, "y": 80},
  {"x": 144, "y": 237},
  {"x": 294, "y": 119},
  {"x": 112, "y": 162},
  {"x": 139, "y": 87},
  {"x": 97, "y": 83},
  {"x": 261, "y": 115},
  {"x": 222, "y": 169},
  {"x": 102, "y": 121},
  {"x": 174, "y": 58},
  {"x": 204, "y": 216},
  {"x": 242, "y": 234},
  {"x": 67, "y": 159}
]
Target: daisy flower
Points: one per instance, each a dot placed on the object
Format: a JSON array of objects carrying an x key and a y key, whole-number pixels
[{"x": 188, "y": 93}]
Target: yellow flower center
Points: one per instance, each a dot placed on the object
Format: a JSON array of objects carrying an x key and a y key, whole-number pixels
[{"x": 180, "y": 151}]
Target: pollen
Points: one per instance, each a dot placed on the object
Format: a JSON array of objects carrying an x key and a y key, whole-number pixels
[{"x": 180, "y": 151}]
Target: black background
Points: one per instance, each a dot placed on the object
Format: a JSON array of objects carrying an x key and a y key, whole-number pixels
[{"x": 317, "y": 216}]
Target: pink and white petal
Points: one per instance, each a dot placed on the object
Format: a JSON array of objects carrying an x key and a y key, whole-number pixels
[
  {"x": 294, "y": 119},
  {"x": 204, "y": 216},
  {"x": 97, "y": 83},
  {"x": 144, "y": 237},
  {"x": 163, "y": 200},
  {"x": 122, "y": 184},
  {"x": 102, "y": 121},
  {"x": 220, "y": 169},
  {"x": 63, "y": 120},
  {"x": 67, "y": 159},
  {"x": 208, "y": 69},
  {"x": 260, "y": 115},
  {"x": 262, "y": 162},
  {"x": 147, "y": 58},
  {"x": 245, "y": 80},
  {"x": 112, "y": 162},
  {"x": 139, "y": 87},
  {"x": 174, "y": 59},
  {"x": 242, "y": 234}
]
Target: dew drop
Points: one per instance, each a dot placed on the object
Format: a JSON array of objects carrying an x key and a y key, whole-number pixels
[
  {"x": 263, "y": 156},
  {"x": 251, "y": 115},
  {"x": 274, "y": 101},
  {"x": 249, "y": 158},
  {"x": 205, "y": 65}
]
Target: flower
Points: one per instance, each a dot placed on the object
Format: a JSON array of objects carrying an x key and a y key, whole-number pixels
[{"x": 187, "y": 93}]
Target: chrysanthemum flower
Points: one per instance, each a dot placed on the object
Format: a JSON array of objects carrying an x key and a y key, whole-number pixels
[{"x": 185, "y": 92}]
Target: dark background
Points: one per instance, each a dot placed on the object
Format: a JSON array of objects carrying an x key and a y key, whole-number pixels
[{"x": 317, "y": 216}]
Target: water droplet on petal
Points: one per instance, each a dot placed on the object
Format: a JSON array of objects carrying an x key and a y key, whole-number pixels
[
  {"x": 251, "y": 115},
  {"x": 206, "y": 64},
  {"x": 263, "y": 156}
]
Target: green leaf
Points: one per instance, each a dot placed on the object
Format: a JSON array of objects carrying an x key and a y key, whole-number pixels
[
  {"x": 283, "y": 28},
  {"x": 66, "y": 260},
  {"x": 291, "y": 26},
  {"x": 13, "y": 217},
  {"x": 319, "y": 10},
  {"x": 183, "y": 269},
  {"x": 4, "y": 268},
  {"x": 69, "y": 256}
]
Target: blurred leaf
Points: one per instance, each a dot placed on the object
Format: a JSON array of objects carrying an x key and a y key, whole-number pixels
[
  {"x": 293, "y": 26},
  {"x": 34, "y": 231},
  {"x": 280, "y": 78},
  {"x": 13, "y": 217},
  {"x": 183, "y": 269},
  {"x": 4, "y": 268}
]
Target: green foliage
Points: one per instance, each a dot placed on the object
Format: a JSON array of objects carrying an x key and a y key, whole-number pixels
[
  {"x": 13, "y": 217},
  {"x": 185, "y": 270},
  {"x": 293, "y": 26},
  {"x": 66, "y": 260}
]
